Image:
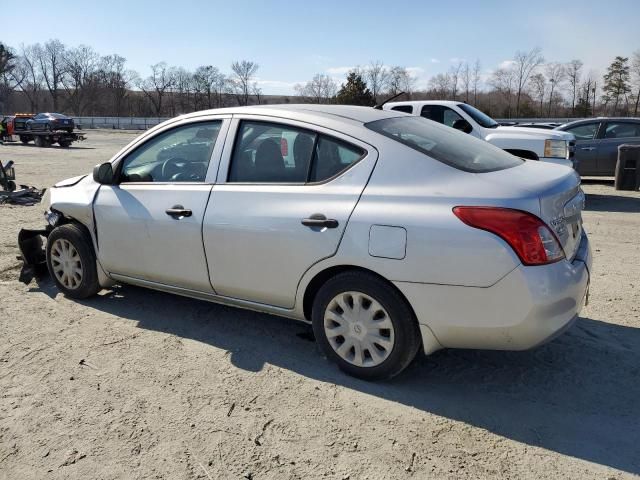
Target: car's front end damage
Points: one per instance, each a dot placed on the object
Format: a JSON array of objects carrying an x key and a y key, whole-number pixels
[{"x": 67, "y": 201}]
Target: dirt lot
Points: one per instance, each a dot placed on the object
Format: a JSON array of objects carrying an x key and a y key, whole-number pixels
[{"x": 140, "y": 384}]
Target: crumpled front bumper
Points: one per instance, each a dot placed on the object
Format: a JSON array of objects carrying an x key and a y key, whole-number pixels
[{"x": 32, "y": 252}]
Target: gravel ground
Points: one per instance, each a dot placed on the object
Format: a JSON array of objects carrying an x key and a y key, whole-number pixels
[{"x": 141, "y": 384}]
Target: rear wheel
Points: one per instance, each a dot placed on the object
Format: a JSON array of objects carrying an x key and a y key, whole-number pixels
[
  {"x": 365, "y": 326},
  {"x": 24, "y": 139},
  {"x": 72, "y": 262},
  {"x": 64, "y": 143},
  {"x": 37, "y": 139}
]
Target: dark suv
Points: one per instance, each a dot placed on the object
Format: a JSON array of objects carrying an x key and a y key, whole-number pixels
[
  {"x": 49, "y": 122},
  {"x": 597, "y": 141}
]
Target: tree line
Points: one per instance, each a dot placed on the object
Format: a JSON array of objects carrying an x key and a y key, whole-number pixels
[{"x": 80, "y": 81}]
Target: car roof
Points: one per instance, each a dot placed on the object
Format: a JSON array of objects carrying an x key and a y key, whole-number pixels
[
  {"x": 599, "y": 119},
  {"x": 340, "y": 113},
  {"x": 423, "y": 102}
]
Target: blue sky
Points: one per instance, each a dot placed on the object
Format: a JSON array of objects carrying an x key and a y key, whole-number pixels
[{"x": 291, "y": 41}]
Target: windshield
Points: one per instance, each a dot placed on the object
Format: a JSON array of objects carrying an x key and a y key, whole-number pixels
[
  {"x": 445, "y": 144},
  {"x": 483, "y": 120}
]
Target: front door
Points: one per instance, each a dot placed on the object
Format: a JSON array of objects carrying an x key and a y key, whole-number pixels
[
  {"x": 586, "y": 147},
  {"x": 615, "y": 133},
  {"x": 285, "y": 196},
  {"x": 149, "y": 224}
]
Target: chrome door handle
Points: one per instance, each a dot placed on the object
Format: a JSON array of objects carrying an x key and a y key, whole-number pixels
[
  {"x": 178, "y": 211},
  {"x": 319, "y": 220},
  {"x": 588, "y": 149}
]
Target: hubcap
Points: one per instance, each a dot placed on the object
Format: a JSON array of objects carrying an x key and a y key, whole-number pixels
[
  {"x": 66, "y": 263},
  {"x": 359, "y": 329}
]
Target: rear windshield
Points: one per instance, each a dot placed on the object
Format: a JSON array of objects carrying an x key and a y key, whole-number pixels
[{"x": 445, "y": 144}]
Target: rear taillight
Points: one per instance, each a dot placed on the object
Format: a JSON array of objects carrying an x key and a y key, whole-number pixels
[{"x": 529, "y": 236}]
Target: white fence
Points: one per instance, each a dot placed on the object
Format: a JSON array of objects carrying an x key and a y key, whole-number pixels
[{"x": 118, "y": 123}]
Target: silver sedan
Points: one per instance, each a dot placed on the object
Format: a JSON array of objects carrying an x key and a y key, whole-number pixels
[{"x": 389, "y": 233}]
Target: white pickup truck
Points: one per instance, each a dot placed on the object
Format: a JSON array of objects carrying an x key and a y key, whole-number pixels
[{"x": 534, "y": 144}]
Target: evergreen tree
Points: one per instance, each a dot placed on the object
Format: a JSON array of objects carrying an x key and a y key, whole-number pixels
[
  {"x": 616, "y": 82},
  {"x": 355, "y": 92}
]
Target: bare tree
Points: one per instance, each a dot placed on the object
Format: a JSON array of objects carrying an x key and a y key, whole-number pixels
[
  {"x": 476, "y": 80},
  {"x": 209, "y": 83},
  {"x": 28, "y": 76},
  {"x": 539, "y": 89},
  {"x": 441, "y": 84},
  {"x": 466, "y": 80},
  {"x": 320, "y": 89},
  {"x": 574, "y": 69},
  {"x": 505, "y": 80},
  {"x": 116, "y": 82},
  {"x": 524, "y": 65},
  {"x": 52, "y": 64},
  {"x": 156, "y": 85},
  {"x": 7, "y": 81},
  {"x": 242, "y": 79},
  {"x": 80, "y": 79},
  {"x": 454, "y": 75},
  {"x": 377, "y": 76},
  {"x": 555, "y": 74},
  {"x": 635, "y": 73},
  {"x": 399, "y": 80}
]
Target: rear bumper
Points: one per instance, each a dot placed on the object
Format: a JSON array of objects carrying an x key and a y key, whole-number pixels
[{"x": 526, "y": 308}]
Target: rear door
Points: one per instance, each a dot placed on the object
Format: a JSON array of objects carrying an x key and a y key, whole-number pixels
[
  {"x": 273, "y": 212},
  {"x": 615, "y": 133},
  {"x": 149, "y": 224},
  {"x": 587, "y": 145}
]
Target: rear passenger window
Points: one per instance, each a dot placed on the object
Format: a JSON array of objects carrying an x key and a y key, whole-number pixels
[
  {"x": 622, "y": 130},
  {"x": 273, "y": 153}
]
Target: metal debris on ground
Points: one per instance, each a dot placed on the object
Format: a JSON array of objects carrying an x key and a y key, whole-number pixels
[
  {"x": 9, "y": 193},
  {"x": 25, "y": 195}
]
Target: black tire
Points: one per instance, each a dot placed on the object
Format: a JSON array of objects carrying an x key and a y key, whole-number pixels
[
  {"x": 64, "y": 143},
  {"x": 37, "y": 139},
  {"x": 24, "y": 139},
  {"x": 11, "y": 186},
  {"x": 78, "y": 238},
  {"x": 405, "y": 326}
]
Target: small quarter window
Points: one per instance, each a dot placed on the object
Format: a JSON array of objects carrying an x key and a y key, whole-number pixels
[{"x": 332, "y": 157}]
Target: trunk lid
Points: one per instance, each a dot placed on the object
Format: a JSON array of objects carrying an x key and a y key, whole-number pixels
[{"x": 559, "y": 195}]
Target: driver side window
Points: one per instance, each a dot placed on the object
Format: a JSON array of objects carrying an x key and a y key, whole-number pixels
[{"x": 178, "y": 155}]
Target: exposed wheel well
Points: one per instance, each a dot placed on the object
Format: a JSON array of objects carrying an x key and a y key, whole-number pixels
[
  {"x": 528, "y": 154},
  {"x": 316, "y": 283}
]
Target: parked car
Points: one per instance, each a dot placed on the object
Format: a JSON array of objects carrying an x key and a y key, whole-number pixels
[
  {"x": 388, "y": 233},
  {"x": 597, "y": 141},
  {"x": 50, "y": 122},
  {"x": 532, "y": 144}
]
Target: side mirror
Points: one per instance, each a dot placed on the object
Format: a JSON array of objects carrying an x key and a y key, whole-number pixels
[
  {"x": 462, "y": 125},
  {"x": 103, "y": 173}
]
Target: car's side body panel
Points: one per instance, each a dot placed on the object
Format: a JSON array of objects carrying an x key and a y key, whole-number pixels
[{"x": 248, "y": 226}]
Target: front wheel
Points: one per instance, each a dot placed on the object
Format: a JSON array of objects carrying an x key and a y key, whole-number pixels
[
  {"x": 364, "y": 325},
  {"x": 72, "y": 262}
]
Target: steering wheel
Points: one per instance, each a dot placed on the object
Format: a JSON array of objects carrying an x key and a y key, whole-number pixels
[{"x": 171, "y": 167}]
